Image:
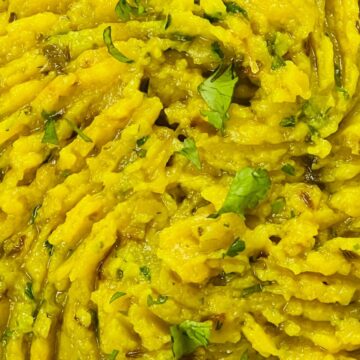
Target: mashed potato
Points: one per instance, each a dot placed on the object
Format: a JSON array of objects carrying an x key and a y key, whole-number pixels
[{"x": 179, "y": 179}]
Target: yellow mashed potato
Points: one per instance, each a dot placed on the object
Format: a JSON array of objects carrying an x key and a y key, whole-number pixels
[{"x": 179, "y": 179}]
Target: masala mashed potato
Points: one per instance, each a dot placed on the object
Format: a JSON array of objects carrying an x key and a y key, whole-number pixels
[{"x": 179, "y": 179}]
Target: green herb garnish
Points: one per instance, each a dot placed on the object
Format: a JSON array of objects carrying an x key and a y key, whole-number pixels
[
  {"x": 124, "y": 10},
  {"x": 278, "y": 206},
  {"x": 314, "y": 116},
  {"x": 168, "y": 21},
  {"x": 255, "y": 288},
  {"x": 29, "y": 291},
  {"x": 191, "y": 152},
  {"x": 234, "y": 8},
  {"x": 145, "y": 272},
  {"x": 50, "y": 136},
  {"x": 34, "y": 214},
  {"x": 113, "y": 355},
  {"x": 6, "y": 335},
  {"x": 188, "y": 336},
  {"x": 216, "y": 49},
  {"x": 117, "y": 295},
  {"x": 236, "y": 248},
  {"x": 161, "y": 299},
  {"x": 78, "y": 131},
  {"x": 113, "y": 51},
  {"x": 249, "y": 187},
  {"x": 273, "y": 44},
  {"x": 288, "y": 121},
  {"x": 288, "y": 169},
  {"x": 49, "y": 247},
  {"x": 217, "y": 91},
  {"x": 142, "y": 141}
]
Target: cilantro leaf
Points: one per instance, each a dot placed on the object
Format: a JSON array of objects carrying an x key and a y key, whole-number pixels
[
  {"x": 217, "y": 92},
  {"x": 29, "y": 291},
  {"x": 113, "y": 355},
  {"x": 34, "y": 214},
  {"x": 145, "y": 272},
  {"x": 124, "y": 10},
  {"x": 191, "y": 152},
  {"x": 278, "y": 205},
  {"x": 113, "y": 51},
  {"x": 234, "y": 8},
  {"x": 168, "y": 21},
  {"x": 236, "y": 248},
  {"x": 288, "y": 121},
  {"x": 49, "y": 247},
  {"x": 78, "y": 131},
  {"x": 288, "y": 169},
  {"x": 161, "y": 299},
  {"x": 188, "y": 336},
  {"x": 50, "y": 135},
  {"x": 247, "y": 190},
  {"x": 314, "y": 115},
  {"x": 116, "y": 295},
  {"x": 216, "y": 49},
  {"x": 142, "y": 141},
  {"x": 255, "y": 289}
]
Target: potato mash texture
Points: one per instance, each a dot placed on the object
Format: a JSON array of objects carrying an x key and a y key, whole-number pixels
[{"x": 179, "y": 179}]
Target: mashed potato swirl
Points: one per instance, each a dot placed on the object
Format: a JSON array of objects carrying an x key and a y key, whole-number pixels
[{"x": 179, "y": 179}]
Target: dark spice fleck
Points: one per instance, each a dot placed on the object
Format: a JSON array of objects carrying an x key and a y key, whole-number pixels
[
  {"x": 307, "y": 199},
  {"x": 12, "y": 17}
]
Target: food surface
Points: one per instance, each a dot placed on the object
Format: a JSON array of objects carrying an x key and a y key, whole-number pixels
[{"x": 179, "y": 179}]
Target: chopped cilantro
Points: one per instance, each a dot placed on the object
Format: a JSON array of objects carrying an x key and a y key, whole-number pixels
[
  {"x": 50, "y": 135},
  {"x": 278, "y": 206},
  {"x": 113, "y": 355},
  {"x": 6, "y": 335},
  {"x": 161, "y": 299},
  {"x": 145, "y": 272},
  {"x": 49, "y": 247},
  {"x": 255, "y": 289},
  {"x": 288, "y": 121},
  {"x": 190, "y": 151},
  {"x": 213, "y": 18},
  {"x": 29, "y": 291},
  {"x": 277, "y": 46},
  {"x": 234, "y": 8},
  {"x": 142, "y": 141},
  {"x": 168, "y": 21},
  {"x": 113, "y": 51},
  {"x": 116, "y": 295},
  {"x": 338, "y": 74},
  {"x": 315, "y": 117},
  {"x": 216, "y": 49},
  {"x": 217, "y": 91},
  {"x": 344, "y": 92},
  {"x": 78, "y": 131},
  {"x": 288, "y": 169},
  {"x": 124, "y": 10},
  {"x": 188, "y": 336},
  {"x": 236, "y": 248},
  {"x": 34, "y": 214},
  {"x": 249, "y": 187}
]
